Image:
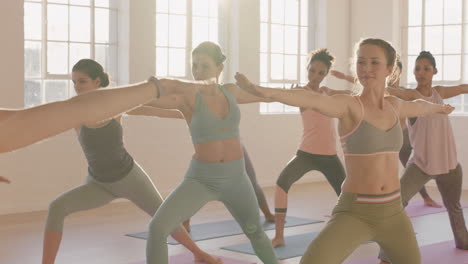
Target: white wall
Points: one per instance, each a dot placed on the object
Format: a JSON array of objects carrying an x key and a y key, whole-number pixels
[{"x": 163, "y": 147}]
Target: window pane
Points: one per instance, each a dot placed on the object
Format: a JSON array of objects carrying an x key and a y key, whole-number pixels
[
  {"x": 177, "y": 29},
  {"x": 277, "y": 11},
  {"x": 32, "y": 21},
  {"x": 161, "y": 61},
  {"x": 162, "y": 6},
  {"x": 410, "y": 69},
  {"x": 275, "y": 107},
  {"x": 263, "y": 108},
  {"x": 58, "y": 1},
  {"x": 414, "y": 40},
  {"x": 32, "y": 93},
  {"x": 277, "y": 38},
  {"x": 452, "y": 11},
  {"x": 439, "y": 62},
  {"x": 101, "y": 3},
  {"x": 291, "y": 37},
  {"x": 291, "y": 13},
  {"x": 162, "y": 29},
  {"x": 201, "y": 8},
  {"x": 80, "y": 2},
  {"x": 32, "y": 59},
  {"x": 465, "y": 71},
  {"x": 452, "y": 67},
  {"x": 263, "y": 67},
  {"x": 277, "y": 64},
  {"x": 106, "y": 55},
  {"x": 433, "y": 39},
  {"x": 264, "y": 6},
  {"x": 102, "y": 25},
  {"x": 55, "y": 90},
  {"x": 80, "y": 24},
  {"x": 290, "y": 67},
  {"x": 78, "y": 52},
  {"x": 303, "y": 70},
  {"x": 455, "y": 102},
  {"x": 290, "y": 109},
  {"x": 263, "y": 37},
  {"x": 414, "y": 12},
  {"x": 304, "y": 12},
  {"x": 214, "y": 8},
  {"x": 213, "y": 30},
  {"x": 200, "y": 28},
  {"x": 452, "y": 39},
  {"x": 177, "y": 62},
  {"x": 304, "y": 40},
  {"x": 178, "y": 6},
  {"x": 434, "y": 9},
  {"x": 57, "y": 58},
  {"x": 57, "y": 22}
]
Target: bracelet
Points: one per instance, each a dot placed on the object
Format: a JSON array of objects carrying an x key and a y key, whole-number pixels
[{"x": 155, "y": 81}]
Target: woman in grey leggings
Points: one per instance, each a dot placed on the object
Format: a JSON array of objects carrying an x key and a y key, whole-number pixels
[{"x": 112, "y": 173}]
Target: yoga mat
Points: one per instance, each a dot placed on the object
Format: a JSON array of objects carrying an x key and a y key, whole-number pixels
[
  {"x": 228, "y": 228},
  {"x": 295, "y": 246},
  {"x": 187, "y": 258},
  {"x": 417, "y": 208},
  {"x": 439, "y": 253}
]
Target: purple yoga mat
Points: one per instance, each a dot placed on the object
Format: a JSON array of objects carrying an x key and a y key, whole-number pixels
[
  {"x": 443, "y": 252},
  {"x": 187, "y": 258},
  {"x": 417, "y": 208}
]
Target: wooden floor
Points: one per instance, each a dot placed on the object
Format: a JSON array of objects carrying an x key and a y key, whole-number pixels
[{"x": 97, "y": 236}]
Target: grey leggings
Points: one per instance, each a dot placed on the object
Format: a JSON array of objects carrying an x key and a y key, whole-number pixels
[
  {"x": 226, "y": 182},
  {"x": 136, "y": 187},
  {"x": 253, "y": 178},
  {"x": 303, "y": 162},
  {"x": 450, "y": 186}
]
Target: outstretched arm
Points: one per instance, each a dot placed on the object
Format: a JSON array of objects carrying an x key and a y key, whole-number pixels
[
  {"x": 452, "y": 91},
  {"x": 20, "y": 128},
  {"x": 419, "y": 107},
  {"x": 335, "y": 106},
  {"x": 342, "y": 76}
]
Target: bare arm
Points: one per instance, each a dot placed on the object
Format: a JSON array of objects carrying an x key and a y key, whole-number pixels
[
  {"x": 342, "y": 76},
  {"x": 452, "y": 91},
  {"x": 157, "y": 112},
  {"x": 419, "y": 107},
  {"x": 329, "y": 91},
  {"x": 20, "y": 128},
  {"x": 243, "y": 97},
  {"x": 335, "y": 106},
  {"x": 403, "y": 93}
]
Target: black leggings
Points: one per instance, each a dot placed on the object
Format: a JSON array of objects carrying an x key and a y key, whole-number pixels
[{"x": 303, "y": 162}]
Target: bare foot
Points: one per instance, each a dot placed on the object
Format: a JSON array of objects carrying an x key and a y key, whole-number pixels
[
  {"x": 187, "y": 225},
  {"x": 204, "y": 257},
  {"x": 431, "y": 203},
  {"x": 278, "y": 242}
]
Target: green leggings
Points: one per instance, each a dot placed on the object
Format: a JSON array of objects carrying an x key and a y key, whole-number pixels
[
  {"x": 226, "y": 182},
  {"x": 353, "y": 223}
]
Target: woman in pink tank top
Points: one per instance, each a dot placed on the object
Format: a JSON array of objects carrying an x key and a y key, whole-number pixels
[
  {"x": 406, "y": 149},
  {"x": 317, "y": 150},
  {"x": 434, "y": 149}
]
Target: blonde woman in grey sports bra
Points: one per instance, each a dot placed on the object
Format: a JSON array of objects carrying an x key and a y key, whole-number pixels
[{"x": 369, "y": 207}]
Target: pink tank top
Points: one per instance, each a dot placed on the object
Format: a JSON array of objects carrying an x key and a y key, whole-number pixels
[
  {"x": 431, "y": 136},
  {"x": 319, "y": 136}
]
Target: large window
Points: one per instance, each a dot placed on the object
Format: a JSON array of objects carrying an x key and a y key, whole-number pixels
[
  {"x": 285, "y": 38},
  {"x": 439, "y": 26},
  {"x": 57, "y": 34},
  {"x": 180, "y": 26}
]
